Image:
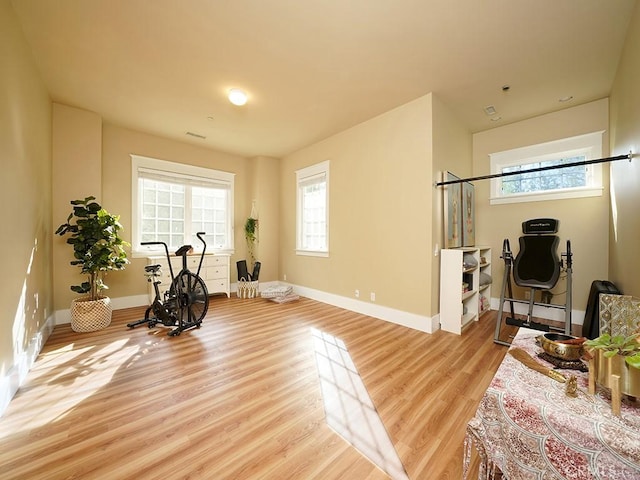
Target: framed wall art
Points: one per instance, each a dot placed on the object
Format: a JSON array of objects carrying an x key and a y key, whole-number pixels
[
  {"x": 468, "y": 215},
  {"x": 452, "y": 212}
]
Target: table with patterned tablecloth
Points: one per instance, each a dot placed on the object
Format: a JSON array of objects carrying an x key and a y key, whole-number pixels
[{"x": 527, "y": 427}]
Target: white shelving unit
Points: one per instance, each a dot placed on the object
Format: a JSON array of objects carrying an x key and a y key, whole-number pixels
[
  {"x": 461, "y": 295},
  {"x": 484, "y": 289}
]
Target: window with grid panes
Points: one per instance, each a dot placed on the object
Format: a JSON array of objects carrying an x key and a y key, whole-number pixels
[
  {"x": 172, "y": 202},
  {"x": 573, "y": 181},
  {"x": 312, "y": 225},
  {"x": 569, "y": 177}
]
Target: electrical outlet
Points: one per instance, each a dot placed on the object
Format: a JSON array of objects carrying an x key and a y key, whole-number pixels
[
  {"x": 373, "y": 296},
  {"x": 285, "y": 277},
  {"x": 357, "y": 293}
]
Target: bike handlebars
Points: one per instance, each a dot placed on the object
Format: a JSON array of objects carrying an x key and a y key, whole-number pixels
[
  {"x": 182, "y": 250},
  {"x": 200, "y": 235}
]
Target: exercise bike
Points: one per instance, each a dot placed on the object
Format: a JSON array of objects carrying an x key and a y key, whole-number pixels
[{"x": 185, "y": 303}]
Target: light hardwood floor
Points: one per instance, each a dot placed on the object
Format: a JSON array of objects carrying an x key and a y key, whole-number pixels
[{"x": 240, "y": 397}]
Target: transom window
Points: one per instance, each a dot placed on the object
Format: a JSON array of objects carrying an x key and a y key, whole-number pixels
[
  {"x": 543, "y": 180},
  {"x": 312, "y": 225},
  {"x": 172, "y": 202},
  {"x": 548, "y": 184}
]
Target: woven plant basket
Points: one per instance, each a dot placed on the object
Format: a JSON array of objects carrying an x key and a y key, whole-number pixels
[
  {"x": 90, "y": 315},
  {"x": 247, "y": 288}
]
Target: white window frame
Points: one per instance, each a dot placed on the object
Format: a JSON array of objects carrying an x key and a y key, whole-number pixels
[
  {"x": 303, "y": 176},
  {"x": 178, "y": 171},
  {"x": 589, "y": 144}
]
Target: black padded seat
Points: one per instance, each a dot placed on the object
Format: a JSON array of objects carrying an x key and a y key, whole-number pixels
[
  {"x": 537, "y": 267},
  {"x": 537, "y": 264}
]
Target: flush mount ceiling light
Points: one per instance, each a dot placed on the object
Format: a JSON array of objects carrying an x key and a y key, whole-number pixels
[{"x": 237, "y": 96}]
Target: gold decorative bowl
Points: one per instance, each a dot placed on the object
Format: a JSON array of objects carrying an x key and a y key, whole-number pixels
[{"x": 552, "y": 343}]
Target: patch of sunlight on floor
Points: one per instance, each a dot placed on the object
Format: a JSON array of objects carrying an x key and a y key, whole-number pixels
[
  {"x": 74, "y": 375},
  {"x": 349, "y": 409}
]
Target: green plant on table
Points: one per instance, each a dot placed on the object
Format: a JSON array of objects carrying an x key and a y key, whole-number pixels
[{"x": 626, "y": 346}]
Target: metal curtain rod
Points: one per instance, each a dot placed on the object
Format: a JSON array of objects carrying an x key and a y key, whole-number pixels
[{"x": 628, "y": 156}]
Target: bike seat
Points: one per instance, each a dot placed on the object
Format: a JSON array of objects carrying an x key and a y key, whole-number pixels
[{"x": 153, "y": 269}]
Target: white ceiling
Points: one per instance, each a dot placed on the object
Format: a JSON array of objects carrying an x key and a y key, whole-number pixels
[{"x": 316, "y": 67}]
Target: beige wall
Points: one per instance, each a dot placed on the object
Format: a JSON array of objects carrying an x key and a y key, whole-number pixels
[
  {"x": 104, "y": 153},
  {"x": 380, "y": 203},
  {"x": 452, "y": 150},
  {"x": 582, "y": 220},
  {"x": 118, "y": 144},
  {"x": 385, "y": 213},
  {"x": 26, "y": 300},
  {"x": 77, "y": 163},
  {"x": 624, "y": 260},
  {"x": 264, "y": 189}
]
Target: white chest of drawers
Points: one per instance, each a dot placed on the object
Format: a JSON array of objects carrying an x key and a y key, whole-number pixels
[{"x": 214, "y": 272}]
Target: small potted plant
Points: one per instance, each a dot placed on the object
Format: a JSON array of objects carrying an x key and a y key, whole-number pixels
[
  {"x": 98, "y": 248},
  {"x": 250, "y": 234},
  {"x": 617, "y": 355}
]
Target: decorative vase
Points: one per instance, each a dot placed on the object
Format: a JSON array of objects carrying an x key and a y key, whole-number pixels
[
  {"x": 90, "y": 315},
  {"x": 605, "y": 368}
]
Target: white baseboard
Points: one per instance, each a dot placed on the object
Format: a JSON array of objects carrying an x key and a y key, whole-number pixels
[
  {"x": 10, "y": 383},
  {"x": 399, "y": 317},
  {"x": 13, "y": 379},
  {"x": 547, "y": 313},
  {"x": 64, "y": 316},
  {"x": 411, "y": 320}
]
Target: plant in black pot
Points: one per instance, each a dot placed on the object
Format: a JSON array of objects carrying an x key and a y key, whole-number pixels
[{"x": 98, "y": 248}]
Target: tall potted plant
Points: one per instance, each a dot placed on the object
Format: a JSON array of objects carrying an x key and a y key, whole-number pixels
[{"x": 98, "y": 248}]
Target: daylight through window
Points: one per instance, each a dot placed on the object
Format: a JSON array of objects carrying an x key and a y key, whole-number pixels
[
  {"x": 312, "y": 210},
  {"x": 172, "y": 202},
  {"x": 570, "y": 177},
  {"x": 553, "y": 184}
]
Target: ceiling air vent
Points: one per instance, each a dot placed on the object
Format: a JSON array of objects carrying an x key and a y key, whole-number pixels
[
  {"x": 490, "y": 110},
  {"x": 197, "y": 135}
]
